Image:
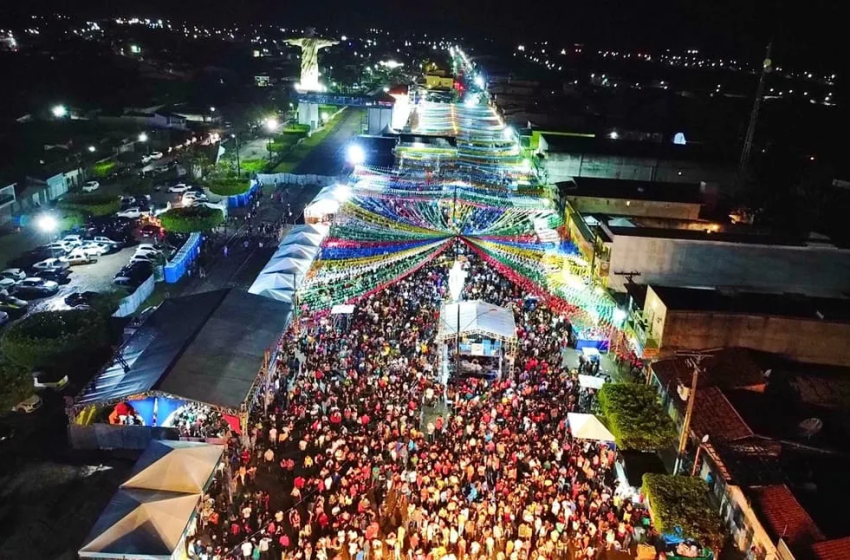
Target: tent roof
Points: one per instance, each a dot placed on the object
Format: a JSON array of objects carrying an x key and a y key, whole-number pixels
[
  {"x": 476, "y": 316},
  {"x": 141, "y": 524},
  {"x": 175, "y": 466},
  {"x": 588, "y": 426},
  {"x": 205, "y": 347}
]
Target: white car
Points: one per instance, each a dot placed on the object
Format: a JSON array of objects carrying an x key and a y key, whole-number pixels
[
  {"x": 131, "y": 213},
  {"x": 91, "y": 186},
  {"x": 96, "y": 249},
  {"x": 105, "y": 241},
  {"x": 152, "y": 259},
  {"x": 13, "y": 274},
  {"x": 7, "y": 283},
  {"x": 179, "y": 188},
  {"x": 78, "y": 256},
  {"x": 192, "y": 197},
  {"x": 147, "y": 253},
  {"x": 73, "y": 240},
  {"x": 58, "y": 247},
  {"x": 4, "y": 318},
  {"x": 156, "y": 155},
  {"x": 51, "y": 265}
]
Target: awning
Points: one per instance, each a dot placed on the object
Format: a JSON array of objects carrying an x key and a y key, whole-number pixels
[
  {"x": 591, "y": 382},
  {"x": 476, "y": 317},
  {"x": 588, "y": 426}
]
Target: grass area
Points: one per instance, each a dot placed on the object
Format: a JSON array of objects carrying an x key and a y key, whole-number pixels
[
  {"x": 253, "y": 165},
  {"x": 291, "y": 160}
]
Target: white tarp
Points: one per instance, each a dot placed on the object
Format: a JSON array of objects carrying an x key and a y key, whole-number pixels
[
  {"x": 588, "y": 426},
  {"x": 148, "y": 515},
  {"x": 591, "y": 382},
  {"x": 476, "y": 317},
  {"x": 291, "y": 262},
  {"x": 342, "y": 309}
]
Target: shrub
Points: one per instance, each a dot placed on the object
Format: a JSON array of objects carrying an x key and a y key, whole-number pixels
[
  {"x": 90, "y": 204},
  {"x": 680, "y": 504},
  {"x": 15, "y": 384},
  {"x": 191, "y": 219},
  {"x": 635, "y": 417},
  {"x": 54, "y": 338},
  {"x": 103, "y": 169},
  {"x": 228, "y": 185},
  {"x": 253, "y": 165}
]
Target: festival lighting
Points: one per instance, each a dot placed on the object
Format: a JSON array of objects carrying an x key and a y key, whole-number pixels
[
  {"x": 508, "y": 133},
  {"x": 355, "y": 154},
  {"x": 59, "y": 111},
  {"x": 618, "y": 316},
  {"x": 479, "y": 81}
]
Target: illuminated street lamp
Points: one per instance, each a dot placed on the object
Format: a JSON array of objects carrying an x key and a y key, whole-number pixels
[
  {"x": 355, "y": 154},
  {"x": 272, "y": 124},
  {"x": 59, "y": 111},
  {"x": 47, "y": 223},
  {"x": 143, "y": 137},
  {"x": 92, "y": 149}
]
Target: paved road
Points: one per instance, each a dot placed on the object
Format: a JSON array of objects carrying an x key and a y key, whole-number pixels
[{"x": 328, "y": 158}]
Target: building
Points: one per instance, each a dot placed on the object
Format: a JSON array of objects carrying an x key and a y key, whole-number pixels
[
  {"x": 773, "y": 470},
  {"x": 7, "y": 202},
  {"x": 633, "y": 198},
  {"x": 701, "y": 253},
  {"x": 566, "y": 156}
]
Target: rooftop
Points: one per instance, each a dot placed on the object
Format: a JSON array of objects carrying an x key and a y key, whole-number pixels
[
  {"x": 836, "y": 549},
  {"x": 783, "y": 516},
  {"x": 635, "y": 190},
  {"x": 582, "y": 144},
  {"x": 834, "y": 310},
  {"x": 728, "y": 368}
]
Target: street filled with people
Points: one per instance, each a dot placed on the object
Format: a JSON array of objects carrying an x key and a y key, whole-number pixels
[{"x": 355, "y": 449}]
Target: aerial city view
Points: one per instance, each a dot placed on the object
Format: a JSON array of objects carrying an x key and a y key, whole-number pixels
[{"x": 426, "y": 281}]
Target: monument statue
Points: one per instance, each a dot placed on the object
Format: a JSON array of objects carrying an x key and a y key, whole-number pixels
[{"x": 310, "y": 45}]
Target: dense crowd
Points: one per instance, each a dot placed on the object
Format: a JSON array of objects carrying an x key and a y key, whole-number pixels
[{"x": 360, "y": 453}]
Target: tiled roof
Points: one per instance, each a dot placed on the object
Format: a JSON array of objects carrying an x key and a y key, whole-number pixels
[
  {"x": 836, "y": 549},
  {"x": 728, "y": 368},
  {"x": 783, "y": 516},
  {"x": 714, "y": 415}
]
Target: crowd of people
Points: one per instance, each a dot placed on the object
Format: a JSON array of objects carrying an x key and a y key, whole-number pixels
[{"x": 359, "y": 452}]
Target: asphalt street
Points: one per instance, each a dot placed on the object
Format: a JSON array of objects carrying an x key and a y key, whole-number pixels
[{"x": 328, "y": 158}]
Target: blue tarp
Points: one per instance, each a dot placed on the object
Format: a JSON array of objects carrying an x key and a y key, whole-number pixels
[
  {"x": 180, "y": 263},
  {"x": 243, "y": 199}
]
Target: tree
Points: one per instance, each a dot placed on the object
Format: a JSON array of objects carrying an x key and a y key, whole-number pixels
[
  {"x": 635, "y": 417},
  {"x": 191, "y": 219},
  {"x": 15, "y": 384},
  {"x": 53, "y": 339},
  {"x": 226, "y": 184},
  {"x": 680, "y": 504}
]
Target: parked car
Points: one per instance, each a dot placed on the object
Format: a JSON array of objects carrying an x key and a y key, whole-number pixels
[
  {"x": 192, "y": 196},
  {"x": 4, "y": 318},
  {"x": 28, "y": 405},
  {"x": 95, "y": 249},
  {"x": 80, "y": 299},
  {"x": 58, "y": 276},
  {"x": 147, "y": 252},
  {"x": 156, "y": 155},
  {"x": 36, "y": 287},
  {"x": 79, "y": 256},
  {"x": 179, "y": 188},
  {"x": 73, "y": 240},
  {"x": 106, "y": 241},
  {"x": 149, "y": 230},
  {"x": 58, "y": 248},
  {"x": 131, "y": 213},
  {"x": 13, "y": 274},
  {"x": 91, "y": 186},
  {"x": 7, "y": 283},
  {"x": 12, "y": 305},
  {"x": 51, "y": 264}
]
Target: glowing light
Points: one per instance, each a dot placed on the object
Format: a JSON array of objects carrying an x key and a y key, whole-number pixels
[
  {"x": 92, "y": 149},
  {"x": 679, "y": 139},
  {"x": 613, "y": 135},
  {"x": 508, "y": 133},
  {"x": 325, "y": 117},
  {"x": 471, "y": 102},
  {"x": 479, "y": 81},
  {"x": 355, "y": 154},
  {"x": 143, "y": 137},
  {"x": 59, "y": 111},
  {"x": 344, "y": 38},
  {"x": 47, "y": 223},
  {"x": 618, "y": 316}
]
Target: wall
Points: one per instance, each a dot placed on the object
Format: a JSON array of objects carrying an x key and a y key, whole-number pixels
[
  {"x": 379, "y": 118},
  {"x": 564, "y": 166},
  {"x": 680, "y": 262},
  {"x": 623, "y": 207},
  {"x": 805, "y": 340}
]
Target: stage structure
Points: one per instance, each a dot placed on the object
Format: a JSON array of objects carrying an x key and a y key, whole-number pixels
[
  {"x": 484, "y": 337},
  {"x": 308, "y": 112}
]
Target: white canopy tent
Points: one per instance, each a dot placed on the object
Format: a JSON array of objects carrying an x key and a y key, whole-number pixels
[
  {"x": 591, "y": 382},
  {"x": 149, "y": 515},
  {"x": 289, "y": 265},
  {"x": 476, "y": 317},
  {"x": 588, "y": 426},
  {"x": 327, "y": 202}
]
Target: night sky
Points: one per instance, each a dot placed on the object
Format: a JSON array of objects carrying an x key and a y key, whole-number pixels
[{"x": 805, "y": 32}]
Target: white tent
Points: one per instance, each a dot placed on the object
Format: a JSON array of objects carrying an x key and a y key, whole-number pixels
[
  {"x": 476, "y": 317},
  {"x": 289, "y": 265},
  {"x": 588, "y": 426},
  {"x": 327, "y": 201},
  {"x": 175, "y": 466},
  {"x": 140, "y": 524},
  {"x": 148, "y": 516},
  {"x": 591, "y": 382}
]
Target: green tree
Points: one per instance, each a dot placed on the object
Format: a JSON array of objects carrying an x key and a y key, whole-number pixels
[
  {"x": 52, "y": 339},
  {"x": 635, "y": 417},
  {"x": 191, "y": 219},
  {"x": 15, "y": 384},
  {"x": 682, "y": 504}
]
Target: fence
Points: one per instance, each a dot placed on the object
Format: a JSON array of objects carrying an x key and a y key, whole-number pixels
[
  {"x": 107, "y": 436},
  {"x": 177, "y": 266},
  {"x": 243, "y": 199},
  {"x": 295, "y": 179},
  {"x": 132, "y": 302}
]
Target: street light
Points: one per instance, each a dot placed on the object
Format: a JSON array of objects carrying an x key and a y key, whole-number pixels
[
  {"x": 272, "y": 124},
  {"x": 325, "y": 117},
  {"x": 92, "y": 149},
  {"x": 143, "y": 137},
  {"x": 59, "y": 111},
  {"x": 212, "y": 109},
  {"x": 355, "y": 154},
  {"x": 47, "y": 223}
]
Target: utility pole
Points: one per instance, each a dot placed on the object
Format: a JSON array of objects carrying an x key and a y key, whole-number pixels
[
  {"x": 767, "y": 66},
  {"x": 694, "y": 362}
]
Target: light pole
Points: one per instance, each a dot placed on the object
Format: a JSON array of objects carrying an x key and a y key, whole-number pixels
[
  {"x": 272, "y": 125},
  {"x": 238, "y": 164},
  {"x": 694, "y": 362}
]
